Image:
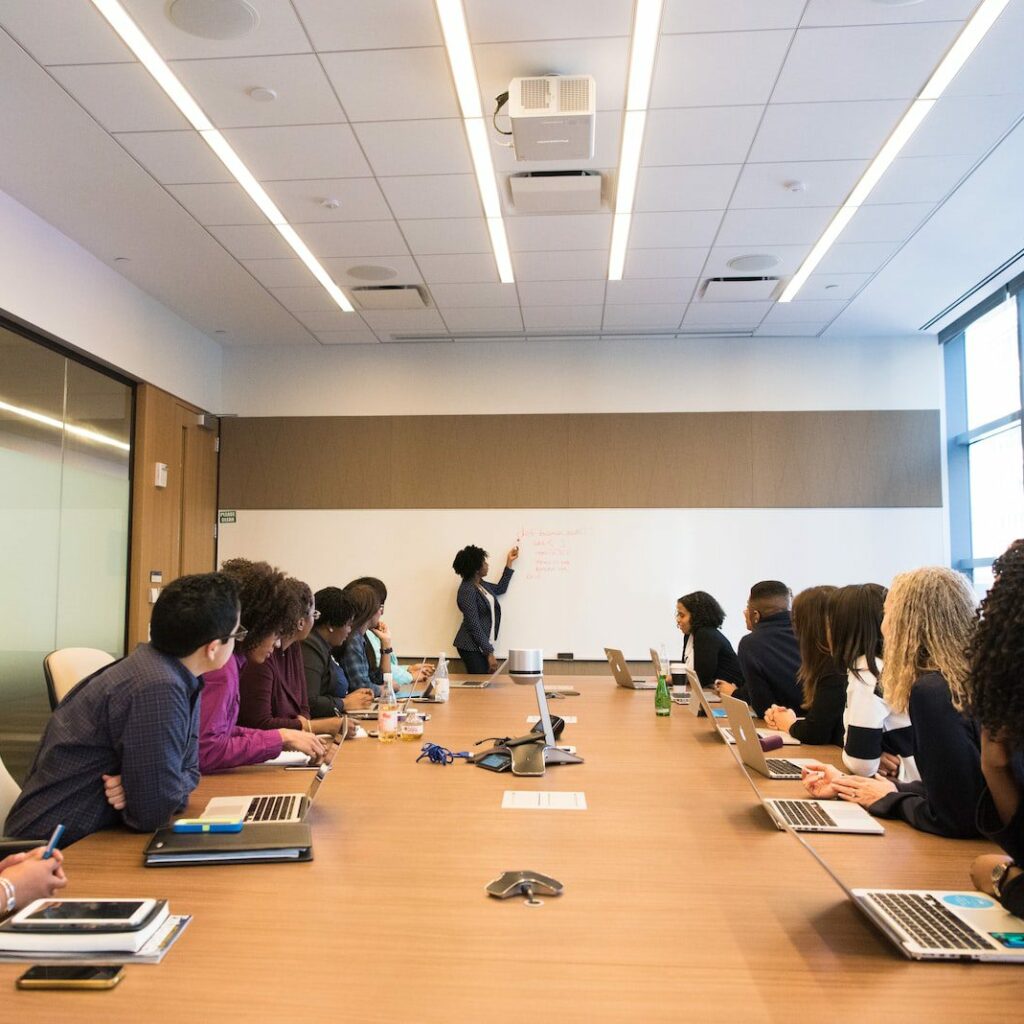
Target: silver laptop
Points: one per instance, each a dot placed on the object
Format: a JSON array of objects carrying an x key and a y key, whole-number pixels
[
  {"x": 622, "y": 675},
  {"x": 704, "y": 701},
  {"x": 274, "y": 807},
  {"x": 553, "y": 754},
  {"x": 478, "y": 684},
  {"x": 935, "y": 924},
  {"x": 680, "y": 693},
  {"x": 749, "y": 746}
]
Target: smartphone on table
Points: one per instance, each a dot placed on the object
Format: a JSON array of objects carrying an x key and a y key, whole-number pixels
[{"x": 46, "y": 976}]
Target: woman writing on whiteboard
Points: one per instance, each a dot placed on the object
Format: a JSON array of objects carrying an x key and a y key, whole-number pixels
[{"x": 481, "y": 612}]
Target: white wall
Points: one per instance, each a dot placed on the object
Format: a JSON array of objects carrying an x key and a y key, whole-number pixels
[
  {"x": 655, "y": 375},
  {"x": 54, "y": 284}
]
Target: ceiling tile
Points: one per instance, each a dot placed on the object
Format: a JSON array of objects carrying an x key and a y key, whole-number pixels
[
  {"x": 393, "y": 85},
  {"x": 56, "y": 32},
  {"x": 221, "y": 88},
  {"x": 686, "y": 229},
  {"x": 726, "y": 314},
  {"x": 790, "y": 330},
  {"x": 729, "y": 15},
  {"x": 347, "y": 338},
  {"x": 559, "y": 231},
  {"x": 301, "y": 200},
  {"x": 964, "y": 124},
  {"x": 122, "y": 97},
  {"x": 493, "y": 21},
  {"x": 659, "y": 290},
  {"x": 369, "y": 26},
  {"x": 868, "y": 62},
  {"x": 790, "y": 257},
  {"x": 174, "y": 157},
  {"x": 715, "y": 135},
  {"x": 561, "y": 293},
  {"x": 218, "y": 204},
  {"x": 334, "y": 320},
  {"x": 831, "y": 287},
  {"x": 661, "y": 263},
  {"x": 920, "y": 179},
  {"x": 774, "y": 227},
  {"x": 560, "y": 266},
  {"x": 700, "y": 187},
  {"x": 863, "y": 12},
  {"x": 355, "y": 238},
  {"x": 995, "y": 66},
  {"x": 404, "y": 321},
  {"x": 282, "y": 273},
  {"x": 648, "y": 315},
  {"x": 454, "y": 235},
  {"x": 252, "y": 241},
  {"x": 404, "y": 267},
  {"x": 498, "y": 319},
  {"x": 312, "y": 299},
  {"x": 299, "y": 151},
  {"x": 415, "y": 147},
  {"x": 462, "y": 268},
  {"x": 825, "y": 131},
  {"x": 701, "y": 70},
  {"x": 433, "y": 195},
  {"x": 474, "y": 296},
  {"x": 886, "y": 223},
  {"x": 804, "y": 312},
  {"x": 607, "y": 136},
  {"x": 856, "y": 258},
  {"x": 827, "y": 183},
  {"x": 606, "y": 59},
  {"x": 278, "y": 31},
  {"x": 541, "y": 318}
]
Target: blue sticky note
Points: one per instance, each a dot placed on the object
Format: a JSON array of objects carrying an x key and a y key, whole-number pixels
[{"x": 719, "y": 712}]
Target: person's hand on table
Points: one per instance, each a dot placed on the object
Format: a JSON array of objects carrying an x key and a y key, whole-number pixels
[
  {"x": 511, "y": 556},
  {"x": 32, "y": 877},
  {"x": 420, "y": 673},
  {"x": 305, "y": 742},
  {"x": 780, "y": 718},
  {"x": 857, "y": 790},
  {"x": 819, "y": 779},
  {"x": 358, "y": 700},
  {"x": 492, "y": 664},
  {"x": 889, "y": 765},
  {"x": 114, "y": 792},
  {"x": 722, "y": 687},
  {"x": 383, "y": 633},
  {"x": 981, "y": 871},
  {"x": 351, "y": 726}
]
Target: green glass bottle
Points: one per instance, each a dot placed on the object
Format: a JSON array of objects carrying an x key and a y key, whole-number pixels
[{"x": 662, "y": 698}]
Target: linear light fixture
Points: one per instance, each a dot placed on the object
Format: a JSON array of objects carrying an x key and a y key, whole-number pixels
[
  {"x": 460, "y": 57},
  {"x": 646, "y": 27},
  {"x": 121, "y": 22},
  {"x": 69, "y": 428},
  {"x": 956, "y": 56}
]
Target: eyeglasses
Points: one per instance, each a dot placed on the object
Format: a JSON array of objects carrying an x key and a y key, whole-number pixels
[{"x": 239, "y": 634}]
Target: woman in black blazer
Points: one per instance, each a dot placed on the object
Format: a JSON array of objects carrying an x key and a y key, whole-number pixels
[
  {"x": 475, "y": 638},
  {"x": 699, "y": 616}
]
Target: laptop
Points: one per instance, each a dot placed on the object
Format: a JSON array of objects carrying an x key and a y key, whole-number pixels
[
  {"x": 809, "y": 815},
  {"x": 935, "y": 924},
  {"x": 622, "y": 675},
  {"x": 681, "y": 693},
  {"x": 478, "y": 684},
  {"x": 274, "y": 807},
  {"x": 749, "y": 746},
  {"x": 702, "y": 705},
  {"x": 553, "y": 754}
]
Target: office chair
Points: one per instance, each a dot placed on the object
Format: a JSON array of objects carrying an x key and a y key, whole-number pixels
[{"x": 65, "y": 668}]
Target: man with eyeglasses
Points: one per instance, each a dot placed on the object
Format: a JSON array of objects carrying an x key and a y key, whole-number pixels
[{"x": 123, "y": 746}]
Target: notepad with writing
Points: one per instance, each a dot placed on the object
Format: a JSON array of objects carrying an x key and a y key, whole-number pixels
[{"x": 278, "y": 841}]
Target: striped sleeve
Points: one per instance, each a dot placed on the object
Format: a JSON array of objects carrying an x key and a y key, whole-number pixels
[{"x": 866, "y": 713}]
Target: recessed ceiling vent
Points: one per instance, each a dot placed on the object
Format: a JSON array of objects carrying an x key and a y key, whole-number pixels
[
  {"x": 556, "y": 191},
  {"x": 738, "y": 289},
  {"x": 389, "y": 296}
]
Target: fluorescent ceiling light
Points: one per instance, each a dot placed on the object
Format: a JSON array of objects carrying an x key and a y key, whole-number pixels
[
  {"x": 132, "y": 36},
  {"x": 646, "y": 28},
  {"x": 460, "y": 57},
  {"x": 69, "y": 428},
  {"x": 970, "y": 35}
]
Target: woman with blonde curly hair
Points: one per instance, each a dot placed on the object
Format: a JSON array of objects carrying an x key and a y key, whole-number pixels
[{"x": 927, "y": 626}]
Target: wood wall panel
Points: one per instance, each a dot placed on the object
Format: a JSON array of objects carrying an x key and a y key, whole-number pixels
[{"x": 858, "y": 459}]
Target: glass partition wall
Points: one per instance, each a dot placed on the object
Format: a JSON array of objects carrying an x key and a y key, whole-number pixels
[{"x": 65, "y": 448}]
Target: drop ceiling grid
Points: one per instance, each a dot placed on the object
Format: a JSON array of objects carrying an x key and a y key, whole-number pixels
[{"x": 746, "y": 215}]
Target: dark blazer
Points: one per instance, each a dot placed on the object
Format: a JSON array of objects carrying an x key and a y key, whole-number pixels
[
  {"x": 475, "y": 632},
  {"x": 713, "y": 657}
]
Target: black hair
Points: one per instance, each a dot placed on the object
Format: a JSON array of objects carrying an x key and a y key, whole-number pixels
[
  {"x": 810, "y": 625},
  {"x": 269, "y": 608},
  {"x": 365, "y": 601},
  {"x": 334, "y": 607},
  {"x": 770, "y": 590},
  {"x": 372, "y": 581},
  {"x": 855, "y": 625},
  {"x": 469, "y": 561},
  {"x": 704, "y": 610},
  {"x": 193, "y": 610}
]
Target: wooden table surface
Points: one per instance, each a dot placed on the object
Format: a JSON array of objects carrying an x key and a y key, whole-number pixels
[{"x": 682, "y": 901}]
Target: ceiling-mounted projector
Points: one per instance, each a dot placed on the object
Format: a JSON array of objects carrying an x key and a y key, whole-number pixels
[{"x": 553, "y": 117}]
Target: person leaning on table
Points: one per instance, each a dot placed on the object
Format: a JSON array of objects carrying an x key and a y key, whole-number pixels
[{"x": 481, "y": 613}]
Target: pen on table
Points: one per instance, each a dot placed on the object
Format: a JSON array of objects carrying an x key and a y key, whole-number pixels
[{"x": 54, "y": 840}]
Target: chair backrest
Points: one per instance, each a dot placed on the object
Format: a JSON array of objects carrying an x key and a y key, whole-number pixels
[
  {"x": 9, "y": 791},
  {"x": 66, "y": 668}
]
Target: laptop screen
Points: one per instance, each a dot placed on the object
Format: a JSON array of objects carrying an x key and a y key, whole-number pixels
[{"x": 545, "y": 714}]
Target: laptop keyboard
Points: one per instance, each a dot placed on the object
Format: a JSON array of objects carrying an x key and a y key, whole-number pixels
[
  {"x": 804, "y": 812},
  {"x": 780, "y": 766},
  {"x": 271, "y": 808},
  {"x": 927, "y": 921}
]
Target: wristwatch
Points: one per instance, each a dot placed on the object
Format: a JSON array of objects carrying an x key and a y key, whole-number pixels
[
  {"x": 387, "y": 650},
  {"x": 998, "y": 874}
]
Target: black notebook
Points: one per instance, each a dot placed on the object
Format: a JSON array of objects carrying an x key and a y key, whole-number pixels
[{"x": 280, "y": 841}]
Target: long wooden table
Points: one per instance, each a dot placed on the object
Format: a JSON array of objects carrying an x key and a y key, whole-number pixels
[{"x": 682, "y": 901}]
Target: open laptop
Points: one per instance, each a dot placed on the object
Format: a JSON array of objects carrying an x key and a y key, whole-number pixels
[
  {"x": 553, "y": 754},
  {"x": 809, "y": 815},
  {"x": 935, "y": 924},
  {"x": 749, "y": 746},
  {"x": 622, "y": 675},
  {"x": 702, "y": 705},
  {"x": 274, "y": 807},
  {"x": 681, "y": 693},
  {"x": 478, "y": 684}
]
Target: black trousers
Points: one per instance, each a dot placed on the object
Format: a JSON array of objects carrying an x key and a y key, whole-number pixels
[{"x": 475, "y": 662}]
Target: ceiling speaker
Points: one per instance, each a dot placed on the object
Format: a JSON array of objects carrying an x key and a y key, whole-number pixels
[{"x": 214, "y": 19}]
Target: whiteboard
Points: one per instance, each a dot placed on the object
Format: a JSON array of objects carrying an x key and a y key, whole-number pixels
[{"x": 586, "y": 578}]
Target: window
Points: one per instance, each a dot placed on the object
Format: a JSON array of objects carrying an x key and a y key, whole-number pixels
[{"x": 986, "y": 457}]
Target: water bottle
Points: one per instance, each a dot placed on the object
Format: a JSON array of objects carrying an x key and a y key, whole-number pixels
[
  {"x": 387, "y": 711},
  {"x": 411, "y": 727},
  {"x": 662, "y": 698},
  {"x": 441, "y": 682}
]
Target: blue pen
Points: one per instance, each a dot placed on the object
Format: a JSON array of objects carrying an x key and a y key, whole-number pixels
[{"x": 54, "y": 840}]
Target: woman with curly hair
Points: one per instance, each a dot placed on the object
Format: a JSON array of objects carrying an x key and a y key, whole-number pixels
[
  {"x": 699, "y": 618},
  {"x": 927, "y": 626},
  {"x": 995, "y": 695},
  {"x": 481, "y": 613},
  {"x": 269, "y": 610}
]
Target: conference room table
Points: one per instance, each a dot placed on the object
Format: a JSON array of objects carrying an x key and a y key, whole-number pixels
[{"x": 682, "y": 901}]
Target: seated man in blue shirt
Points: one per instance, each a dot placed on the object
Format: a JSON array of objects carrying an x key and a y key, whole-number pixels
[{"x": 123, "y": 746}]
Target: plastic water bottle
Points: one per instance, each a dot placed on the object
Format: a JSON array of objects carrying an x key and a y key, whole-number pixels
[
  {"x": 662, "y": 698},
  {"x": 441, "y": 683},
  {"x": 411, "y": 727},
  {"x": 387, "y": 712}
]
